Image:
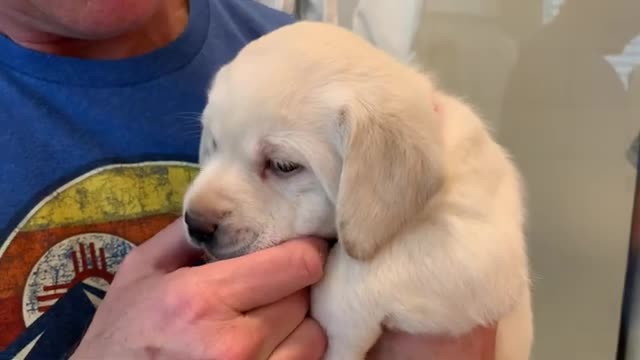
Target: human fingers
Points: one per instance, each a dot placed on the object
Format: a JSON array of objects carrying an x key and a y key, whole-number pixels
[
  {"x": 307, "y": 342},
  {"x": 166, "y": 251},
  {"x": 266, "y": 276},
  {"x": 277, "y": 321}
]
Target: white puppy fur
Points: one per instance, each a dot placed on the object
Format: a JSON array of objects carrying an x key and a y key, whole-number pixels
[{"x": 312, "y": 131}]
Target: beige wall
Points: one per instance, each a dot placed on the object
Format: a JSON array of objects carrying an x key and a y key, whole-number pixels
[{"x": 564, "y": 113}]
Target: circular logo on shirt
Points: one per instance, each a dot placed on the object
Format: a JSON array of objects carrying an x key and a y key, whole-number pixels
[
  {"x": 58, "y": 263},
  {"x": 90, "y": 258}
]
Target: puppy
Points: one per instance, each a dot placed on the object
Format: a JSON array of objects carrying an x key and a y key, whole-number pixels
[{"x": 310, "y": 130}]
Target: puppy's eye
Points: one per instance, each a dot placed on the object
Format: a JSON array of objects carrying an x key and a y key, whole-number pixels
[{"x": 283, "y": 167}]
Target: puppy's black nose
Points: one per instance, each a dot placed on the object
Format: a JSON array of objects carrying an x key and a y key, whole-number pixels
[{"x": 201, "y": 231}]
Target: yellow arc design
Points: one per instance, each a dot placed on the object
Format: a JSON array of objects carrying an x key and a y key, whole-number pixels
[{"x": 133, "y": 191}]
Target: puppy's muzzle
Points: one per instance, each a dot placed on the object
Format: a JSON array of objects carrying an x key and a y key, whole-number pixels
[{"x": 202, "y": 232}]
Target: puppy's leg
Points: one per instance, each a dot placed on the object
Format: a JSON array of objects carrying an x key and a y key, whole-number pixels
[{"x": 346, "y": 308}]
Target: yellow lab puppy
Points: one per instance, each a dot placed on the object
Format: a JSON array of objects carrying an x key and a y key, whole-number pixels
[{"x": 312, "y": 131}]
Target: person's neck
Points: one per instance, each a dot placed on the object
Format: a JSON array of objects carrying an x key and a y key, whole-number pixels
[{"x": 159, "y": 30}]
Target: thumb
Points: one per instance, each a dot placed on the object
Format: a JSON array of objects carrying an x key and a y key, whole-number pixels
[{"x": 165, "y": 252}]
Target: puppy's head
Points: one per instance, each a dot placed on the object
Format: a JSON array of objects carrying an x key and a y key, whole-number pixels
[{"x": 312, "y": 131}]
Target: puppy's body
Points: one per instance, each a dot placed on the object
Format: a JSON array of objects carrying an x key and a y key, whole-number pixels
[
  {"x": 426, "y": 206},
  {"x": 460, "y": 263}
]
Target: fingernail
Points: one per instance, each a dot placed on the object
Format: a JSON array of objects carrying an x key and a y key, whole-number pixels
[{"x": 322, "y": 246}]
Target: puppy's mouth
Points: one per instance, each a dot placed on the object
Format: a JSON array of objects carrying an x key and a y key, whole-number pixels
[{"x": 214, "y": 254}]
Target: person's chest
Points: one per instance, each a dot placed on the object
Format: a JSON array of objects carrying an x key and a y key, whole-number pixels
[{"x": 52, "y": 136}]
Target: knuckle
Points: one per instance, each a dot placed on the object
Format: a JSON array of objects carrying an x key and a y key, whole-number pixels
[
  {"x": 308, "y": 341},
  {"x": 315, "y": 340},
  {"x": 181, "y": 302},
  {"x": 310, "y": 263},
  {"x": 319, "y": 335}
]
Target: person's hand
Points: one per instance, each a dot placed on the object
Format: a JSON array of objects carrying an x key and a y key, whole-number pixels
[
  {"x": 479, "y": 344},
  {"x": 250, "y": 307}
]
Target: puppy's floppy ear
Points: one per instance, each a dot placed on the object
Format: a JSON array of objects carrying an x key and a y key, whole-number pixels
[{"x": 391, "y": 168}]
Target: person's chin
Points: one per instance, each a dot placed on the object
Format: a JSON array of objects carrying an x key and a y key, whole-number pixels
[
  {"x": 217, "y": 254},
  {"x": 99, "y": 20}
]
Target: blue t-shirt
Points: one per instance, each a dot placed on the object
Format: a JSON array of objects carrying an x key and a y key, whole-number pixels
[{"x": 96, "y": 156}]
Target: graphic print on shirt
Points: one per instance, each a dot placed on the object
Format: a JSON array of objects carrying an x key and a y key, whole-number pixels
[{"x": 59, "y": 261}]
